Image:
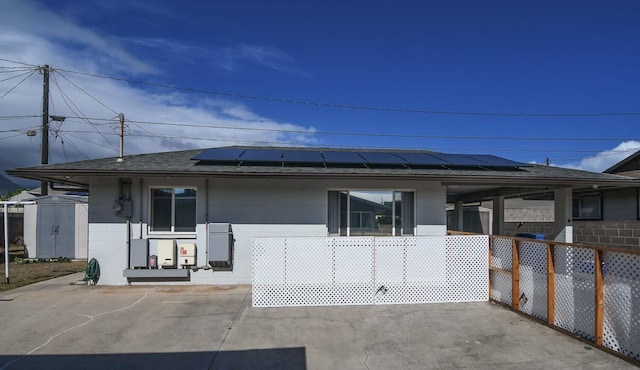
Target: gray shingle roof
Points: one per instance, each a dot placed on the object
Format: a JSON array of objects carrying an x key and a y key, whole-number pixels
[{"x": 179, "y": 163}]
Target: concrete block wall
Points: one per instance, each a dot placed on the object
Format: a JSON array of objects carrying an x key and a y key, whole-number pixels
[
  {"x": 621, "y": 234},
  {"x": 532, "y": 214},
  {"x": 624, "y": 234}
]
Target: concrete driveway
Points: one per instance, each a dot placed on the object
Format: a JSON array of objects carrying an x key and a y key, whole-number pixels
[{"x": 55, "y": 325}]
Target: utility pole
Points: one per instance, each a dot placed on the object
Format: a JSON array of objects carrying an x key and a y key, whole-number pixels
[
  {"x": 44, "y": 190},
  {"x": 121, "y": 116}
]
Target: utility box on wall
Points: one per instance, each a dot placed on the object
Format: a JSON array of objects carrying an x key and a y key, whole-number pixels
[
  {"x": 187, "y": 254},
  {"x": 220, "y": 246},
  {"x": 167, "y": 253},
  {"x": 139, "y": 253}
]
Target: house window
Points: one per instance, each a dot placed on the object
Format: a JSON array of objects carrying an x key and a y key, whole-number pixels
[
  {"x": 587, "y": 207},
  {"x": 173, "y": 209},
  {"x": 377, "y": 213}
]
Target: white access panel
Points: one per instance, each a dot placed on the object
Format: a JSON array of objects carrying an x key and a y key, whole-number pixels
[
  {"x": 167, "y": 253},
  {"x": 187, "y": 254}
]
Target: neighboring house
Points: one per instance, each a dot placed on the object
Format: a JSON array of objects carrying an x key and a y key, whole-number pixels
[
  {"x": 187, "y": 211},
  {"x": 602, "y": 216}
]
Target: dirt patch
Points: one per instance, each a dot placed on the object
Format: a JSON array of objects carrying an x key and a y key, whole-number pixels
[{"x": 29, "y": 273}]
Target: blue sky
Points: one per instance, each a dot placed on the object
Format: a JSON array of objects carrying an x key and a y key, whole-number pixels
[{"x": 530, "y": 59}]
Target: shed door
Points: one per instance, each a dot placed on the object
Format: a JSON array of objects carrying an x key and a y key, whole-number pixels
[{"x": 56, "y": 231}]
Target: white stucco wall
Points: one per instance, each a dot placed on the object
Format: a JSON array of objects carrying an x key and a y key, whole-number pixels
[
  {"x": 254, "y": 207},
  {"x": 81, "y": 230}
]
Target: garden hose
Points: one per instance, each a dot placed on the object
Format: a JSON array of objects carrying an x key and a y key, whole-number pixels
[{"x": 92, "y": 273}]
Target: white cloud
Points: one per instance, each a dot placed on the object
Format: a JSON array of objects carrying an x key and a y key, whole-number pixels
[
  {"x": 31, "y": 34},
  {"x": 231, "y": 58},
  {"x": 606, "y": 158}
]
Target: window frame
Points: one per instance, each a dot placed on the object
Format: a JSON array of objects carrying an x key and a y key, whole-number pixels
[
  {"x": 172, "y": 229},
  {"x": 348, "y": 227},
  {"x": 579, "y": 199}
]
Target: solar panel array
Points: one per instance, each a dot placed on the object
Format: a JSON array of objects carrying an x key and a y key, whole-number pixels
[{"x": 354, "y": 158}]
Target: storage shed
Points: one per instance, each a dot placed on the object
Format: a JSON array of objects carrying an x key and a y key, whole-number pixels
[{"x": 57, "y": 226}]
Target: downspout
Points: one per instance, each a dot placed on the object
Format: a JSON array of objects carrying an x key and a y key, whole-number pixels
[
  {"x": 127, "y": 192},
  {"x": 141, "y": 206},
  {"x": 206, "y": 224}
]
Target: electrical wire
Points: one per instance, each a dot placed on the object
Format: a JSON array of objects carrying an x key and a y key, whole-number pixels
[
  {"x": 350, "y": 106},
  {"x": 73, "y": 146},
  {"x": 345, "y": 133},
  {"x": 159, "y": 137},
  {"x": 84, "y": 91},
  {"x": 16, "y": 76},
  {"x": 12, "y": 136},
  {"x": 18, "y": 84},
  {"x": 69, "y": 102},
  {"x": 306, "y": 143},
  {"x": 17, "y": 62},
  {"x": 89, "y": 141}
]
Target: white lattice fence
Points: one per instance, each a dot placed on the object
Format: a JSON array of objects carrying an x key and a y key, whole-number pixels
[
  {"x": 303, "y": 271},
  {"x": 502, "y": 259},
  {"x": 575, "y": 287},
  {"x": 533, "y": 279},
  {"x": 575, "y": 290},
  {"x": 622, "y": 303}
]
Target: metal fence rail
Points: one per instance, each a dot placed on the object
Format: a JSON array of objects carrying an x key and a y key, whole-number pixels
[
  {"x": 321, "y": 271},
  {"x": 593, "y": 292}
]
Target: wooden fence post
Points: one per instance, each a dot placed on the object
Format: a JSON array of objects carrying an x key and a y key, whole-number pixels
[
  {"x": 515, "y": 276},
  {"x": 550, "y": 284},
  {"x": 599, "y": 297}
]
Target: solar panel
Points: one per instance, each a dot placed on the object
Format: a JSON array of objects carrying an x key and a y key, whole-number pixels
[
  {"x": 421, "y": 159},
  {"x": 493, "y": 161},
  {"x": 219, "y": 154},
  {"x": 382, "y": 158},
  {"x": 458, "y": 160},
  {"x": 359, "y": 158},
  {"x": 261, "y": 155},
  {"x": 331, "y": 156},
  {"x": 302, "y": 156}
]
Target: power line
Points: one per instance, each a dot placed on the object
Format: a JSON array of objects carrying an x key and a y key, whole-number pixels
[
  {"x": 18, "y": 117},
  {"x": 16, "y": 76},
  {"x": 263, "y": 142},
  {"x": 67, "y": 100},
  {"x": 18, "y": 84},
  {"x": 12, "y": 136},
  {"x": 17, "y": 62},
  {"x": 74, "y": 146},
  {"x": 345, "y": 133},
  {"x": 350, "y": 106},
  {"x": 89, "y": 95},
  {"x": 88, "y": 141}
]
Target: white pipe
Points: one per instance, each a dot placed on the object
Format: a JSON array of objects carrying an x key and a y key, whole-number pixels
[{"x": 6, "y": 236}]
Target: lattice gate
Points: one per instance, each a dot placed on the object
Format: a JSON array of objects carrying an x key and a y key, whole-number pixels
[{"x": 307, "y": 271}]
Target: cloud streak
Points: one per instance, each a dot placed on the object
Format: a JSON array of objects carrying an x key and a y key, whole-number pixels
[{"x": 71, "y": 46}]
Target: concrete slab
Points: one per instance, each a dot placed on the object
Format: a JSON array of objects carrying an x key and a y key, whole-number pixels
[{"x": 56, "y": 325}]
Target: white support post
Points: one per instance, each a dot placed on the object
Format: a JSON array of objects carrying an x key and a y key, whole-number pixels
[{"x": 563, "y": 214}]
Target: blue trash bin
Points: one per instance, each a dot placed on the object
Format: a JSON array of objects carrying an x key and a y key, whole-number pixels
[{"x": 530, "y": 236}]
